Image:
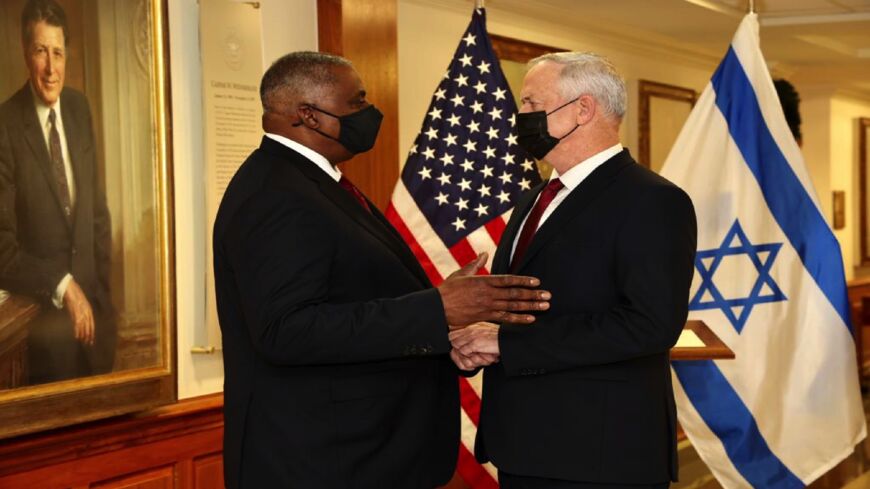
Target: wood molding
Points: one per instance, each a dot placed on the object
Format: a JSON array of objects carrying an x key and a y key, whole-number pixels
[
  {"x": 185, "y": 437},
  {"x": 329, "y": 39},
  {"x": 365, "y": 32},
  {"x": 517, "y": 50},
  {"x": 15, "y": 314}
]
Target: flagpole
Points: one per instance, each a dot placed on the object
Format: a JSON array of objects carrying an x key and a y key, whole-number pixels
[{"x": 751, "y": 6}]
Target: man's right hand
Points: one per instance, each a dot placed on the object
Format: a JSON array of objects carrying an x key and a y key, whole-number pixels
[
  {"x": 80, "y": 313},
  {"x": 470, "y": 298}
]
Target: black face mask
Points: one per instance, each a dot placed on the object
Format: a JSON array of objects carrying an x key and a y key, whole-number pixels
[
  {"x": 358, "y": 130},
  {"x": 533, "y": 135}
]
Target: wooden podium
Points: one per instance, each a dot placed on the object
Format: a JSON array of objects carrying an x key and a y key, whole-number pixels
[
  {"x": 699, "y": 342},
  {"x": 15, "y": 313}
]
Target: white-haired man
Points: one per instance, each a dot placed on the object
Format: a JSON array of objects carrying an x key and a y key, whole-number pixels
[{"x": 583, "y": 397}]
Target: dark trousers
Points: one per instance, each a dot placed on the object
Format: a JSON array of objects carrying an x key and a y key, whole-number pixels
[
  {"x": 54, "y": 354},
  {"x": 508, "y": 481}
]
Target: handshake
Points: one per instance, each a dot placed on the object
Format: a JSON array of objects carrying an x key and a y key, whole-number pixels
[{"x": 473, "y": 305}]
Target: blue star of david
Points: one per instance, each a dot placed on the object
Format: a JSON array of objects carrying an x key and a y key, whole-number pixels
[{"x": 737, "y": 310}]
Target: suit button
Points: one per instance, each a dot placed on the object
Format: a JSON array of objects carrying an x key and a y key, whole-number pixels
[{"x": 74, "y": 251}]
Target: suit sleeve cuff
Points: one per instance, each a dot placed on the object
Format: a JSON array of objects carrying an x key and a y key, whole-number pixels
[
  {"x": 60, "y": 291},
  {"x": 431, "y": 336}
]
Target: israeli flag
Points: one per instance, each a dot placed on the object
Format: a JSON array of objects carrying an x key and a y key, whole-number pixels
[{"x": 769, "y": 282}]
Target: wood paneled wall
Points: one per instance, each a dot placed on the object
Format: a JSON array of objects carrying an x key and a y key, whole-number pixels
[
  {"x": 364, "y": 31},
  {"x": 177, "y": 446}
]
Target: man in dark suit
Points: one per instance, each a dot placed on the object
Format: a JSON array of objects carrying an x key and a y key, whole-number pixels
[
  {"x": 337, "y": 373},
  {"x": 54, "y": 223},
  {"x": 582, "y": 398}
]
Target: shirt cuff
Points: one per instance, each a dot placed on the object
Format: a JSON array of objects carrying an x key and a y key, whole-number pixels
[{"x": 60, "y": 291}]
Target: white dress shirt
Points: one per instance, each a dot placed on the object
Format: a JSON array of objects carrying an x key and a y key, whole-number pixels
[
  {"x": 571, "y": 179},
  {"x": 315, "y": 157},
  {"x": 42, "y": 111}
]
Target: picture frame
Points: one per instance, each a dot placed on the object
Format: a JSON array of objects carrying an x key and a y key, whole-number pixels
[
  {"x": 839, "y": 208},
  {"x": 662, "y": 110},
  {"x": 115, "y": 57},
  {"x": 862, "y": 125}
]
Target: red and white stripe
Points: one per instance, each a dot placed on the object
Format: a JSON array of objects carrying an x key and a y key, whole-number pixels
[{"x": 439, "y": 261}]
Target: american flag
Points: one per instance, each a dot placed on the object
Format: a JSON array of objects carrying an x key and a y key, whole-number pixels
[{"x": 462, "y": 177}]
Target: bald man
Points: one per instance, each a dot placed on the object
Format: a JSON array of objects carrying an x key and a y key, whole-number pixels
[{"x": 335, "y": 343}]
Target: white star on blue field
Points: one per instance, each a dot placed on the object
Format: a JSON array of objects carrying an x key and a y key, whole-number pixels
[{"x": 738, "y": 309}]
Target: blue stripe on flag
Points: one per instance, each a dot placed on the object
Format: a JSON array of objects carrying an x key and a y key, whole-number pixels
[
  {"x": 786, "y": 197},
  {"x": 732, "y": 422}
]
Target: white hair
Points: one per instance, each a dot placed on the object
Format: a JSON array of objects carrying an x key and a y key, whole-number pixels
[{"x": 589, "y": 73}]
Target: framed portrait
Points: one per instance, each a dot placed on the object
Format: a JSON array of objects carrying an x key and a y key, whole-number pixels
[
  {"x": 86, "y": 248},
  {"x": 662, "y": 112}
]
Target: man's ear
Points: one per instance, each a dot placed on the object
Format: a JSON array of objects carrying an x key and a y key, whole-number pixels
[
  {"x": 588, "y": 107},
  {"x": 306, "y": 116}
]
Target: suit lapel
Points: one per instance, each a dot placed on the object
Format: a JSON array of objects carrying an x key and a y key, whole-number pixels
[
  {"x": 501, "y": 260},
  {"x": 401, "y": 248},
  {"x": 373, "y": 222},
  {"x": 582, "y": 195},
  {"x": 36, "y": 140}
]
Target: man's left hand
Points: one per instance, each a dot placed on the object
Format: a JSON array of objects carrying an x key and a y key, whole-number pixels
[
  {"x": 475, "y": 360},
  {"x": 479, "y": 338}
]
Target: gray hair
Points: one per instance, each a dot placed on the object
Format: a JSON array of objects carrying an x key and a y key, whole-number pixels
[
  {"x": 589, "y": 73},
  {"x": 297, "y": 75}
]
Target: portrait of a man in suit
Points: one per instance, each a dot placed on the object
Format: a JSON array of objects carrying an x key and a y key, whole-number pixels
[{"x": 54, "y": 221}]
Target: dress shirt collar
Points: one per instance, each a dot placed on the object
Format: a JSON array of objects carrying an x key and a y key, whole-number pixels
[
  {"x": 309, "y": 153},
  {"x": 574, "y": 176},
  {"x": 42, "y": 109}
]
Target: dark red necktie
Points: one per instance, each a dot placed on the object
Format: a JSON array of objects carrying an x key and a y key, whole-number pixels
[
  {"x": 531, "y": 225},
  {"x": 352, "y": 190}
]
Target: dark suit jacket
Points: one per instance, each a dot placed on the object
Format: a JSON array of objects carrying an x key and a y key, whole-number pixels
[
  {"x": 584, "y": 393},
  {"x": 38, "y": 245},
  {"x": 335, "y": 342}
]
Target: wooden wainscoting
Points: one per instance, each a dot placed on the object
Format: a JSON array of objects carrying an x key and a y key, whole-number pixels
[{"x": 177, "y": 446}]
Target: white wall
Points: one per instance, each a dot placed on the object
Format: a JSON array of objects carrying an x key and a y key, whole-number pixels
[
  {"x": 815, "y": 108},
  {"x": 831, "y": 152},
  {"x": 429, "y": 32},
  {"x": 288, "y": 25}
]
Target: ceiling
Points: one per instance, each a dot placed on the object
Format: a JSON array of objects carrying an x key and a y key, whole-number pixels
[{"x": 821, "y": 43}]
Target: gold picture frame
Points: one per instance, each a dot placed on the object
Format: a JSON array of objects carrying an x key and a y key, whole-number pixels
[
  {"x": 119, "y": 62},
  {"x": 678, "y": 102},
  {"x": 863, "y": 128}
]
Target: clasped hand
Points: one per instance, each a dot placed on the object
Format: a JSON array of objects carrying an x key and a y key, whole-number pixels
[{"x": 472, "y": 301}]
